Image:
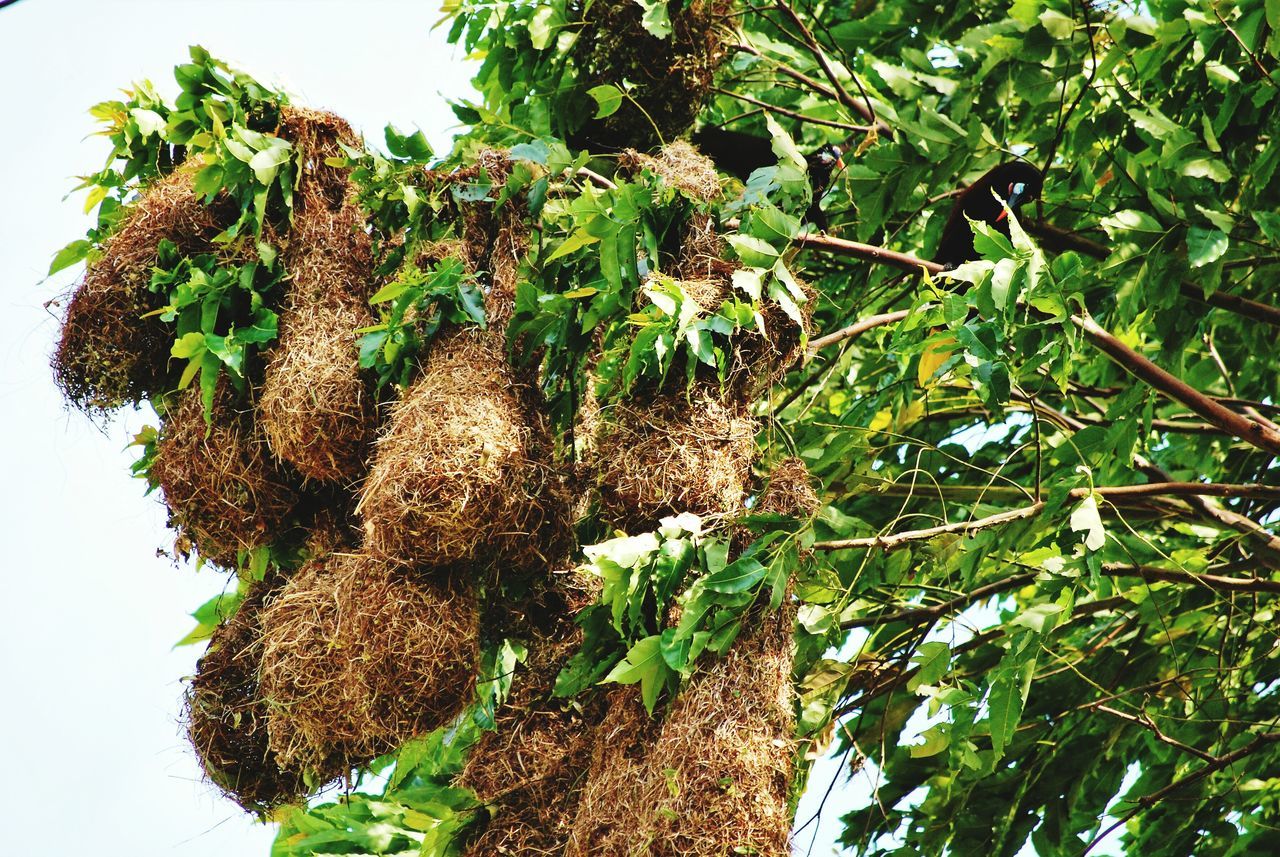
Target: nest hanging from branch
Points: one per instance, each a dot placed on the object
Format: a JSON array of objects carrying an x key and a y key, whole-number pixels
[
  {"x": 224, "y": 491},
  {"x": 714, "y": 776},
  {"x": 358, "y": 657},
  {"x": 461, "y": 472},
  {"x": 529, "y": 770},
  {"x": 109, "y": 355},
  {"x": 680, "y": 165},
  {"x": 669, "y": 78},
  {"x": 316, "y": 407},
  {"x": 226, "y": 718},
  {"x": 664, "y": 454}
]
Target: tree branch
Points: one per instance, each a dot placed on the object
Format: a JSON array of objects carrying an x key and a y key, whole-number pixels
[
  {"x": 1211, "y": 581},
  {"x": 858, "y": 328},
  {"x": 924, "y": 614},
  {"x": 799, "y": 117},
  {"x": 898, "y": 540},
  {"x": 1149, "y": 724},
  {"x": 1250, "y": 431}
]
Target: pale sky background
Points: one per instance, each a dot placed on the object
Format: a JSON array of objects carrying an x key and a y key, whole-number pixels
[{"x": 94, "y": 756}]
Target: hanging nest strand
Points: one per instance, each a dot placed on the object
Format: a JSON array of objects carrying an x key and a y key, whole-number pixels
[
  {"x": 680, "y": 165},
  {"x": 109, "y": 354},
  {"x": 670, "y": 78},
  {"x": 224, "y": 491},
  {"x": 358, "y": 657},
  {"x": 666, "y": 453},
  {"x": 530, "y": 769},
  {"x": 715, "y": 776},
  {"x": 226, "y": 719},
  {"x": 317, "y": 408},
  {"x": 462, "y": 472},
  {"x": 788, "y": 490}
]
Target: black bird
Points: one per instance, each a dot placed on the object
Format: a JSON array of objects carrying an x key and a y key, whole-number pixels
[
  {"x": 1015, "y": 182},
  {"x": 741, "y": 154}
]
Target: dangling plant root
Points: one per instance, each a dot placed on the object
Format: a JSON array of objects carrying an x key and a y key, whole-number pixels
[{"x": 359, "y": 656}]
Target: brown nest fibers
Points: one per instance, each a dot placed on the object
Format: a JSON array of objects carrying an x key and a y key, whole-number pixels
[
  {"x": 715, "y": 776},
  {"x": 316, "y": 407},
  {"x": 670, "y": 78},
  {"x": 461, "y": 472},
  {"x": 227, "y": 720},
  {"x": 788, "y": 490},
  {"x": 680, "y": 165},
  {"x": 529, "y": 770},
  {"x": 358, "y": 657},
  {"x": 224, "y": 491},
  {"x": 109, "y": 355},
  {"x": 672, "y": 452}
]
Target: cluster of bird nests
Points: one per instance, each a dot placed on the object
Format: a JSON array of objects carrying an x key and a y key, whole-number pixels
[{"x": 376, "y": 637}]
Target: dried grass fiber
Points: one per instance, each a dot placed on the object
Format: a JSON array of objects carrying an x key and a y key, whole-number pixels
[
  {"x": 461, "y": 472},
  {"x": 226, "y": 719},
  {"x": 665, "y": 454},
  {"x": 359, "y": 656},
  {"x": 109, "y": 355},
  {"x": 224, "y": 490},
  {"x": 713, "y": 778},
  {"x": 317, "y": 408}
]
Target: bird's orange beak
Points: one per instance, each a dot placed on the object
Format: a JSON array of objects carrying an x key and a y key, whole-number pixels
[{"x": 1004, "y": 212}]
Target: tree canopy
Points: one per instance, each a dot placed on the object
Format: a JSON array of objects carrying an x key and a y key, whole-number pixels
[{"x": 1036, "y": 594}]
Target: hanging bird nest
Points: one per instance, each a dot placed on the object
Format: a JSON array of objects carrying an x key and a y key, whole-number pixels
[
  {"x": 317, "y": 407},
  {"x": 510, "y": 245},
  {"x": 788, "y": 490},
  {"x": 461, "y": 472},
  {"x": 224, "y": 491},
  {"x": 227, "y": 721},
  {"x": 109, "y": 355},
  {"x": 680, "y": 165},
  {"x": 714, "y": 777},
  {"x": 528, "y": 770},
  {"x": 671, "y": 452},
  {"x": 358, "y": 657},
  {"x": 670, "y": 78}
]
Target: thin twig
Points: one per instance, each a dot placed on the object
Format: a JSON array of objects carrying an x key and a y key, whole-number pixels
[{"x": 799, "y": 117}]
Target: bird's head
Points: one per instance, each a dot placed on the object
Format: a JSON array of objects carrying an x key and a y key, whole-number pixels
[{"x": 1015, "y": 182}]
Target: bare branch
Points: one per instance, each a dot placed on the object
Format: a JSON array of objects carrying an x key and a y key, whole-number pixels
[
  {"x": 1211, "y": 581},
  {"x": 858, "y": 328},
  {"x": 898, "y": 540},
  {"x": 799, "y": 117}
]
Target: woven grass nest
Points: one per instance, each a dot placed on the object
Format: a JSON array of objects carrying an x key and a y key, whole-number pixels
[
  {"x": 358, "y": 657},
  {"x": 224, "y": 491},
  {"x": 670, "y": 78},
  {"x": 711, "y": 778},
  {"x": 461, "y": 472},
  {"x": 680, "y": 165},
  {"x": 226, "y": 719},
  {"x": 316, "y": 407},
  {"x": 672, "y": 452},
  {"x": 109, "y": 355},
  {"x": 529, "y": 770}
]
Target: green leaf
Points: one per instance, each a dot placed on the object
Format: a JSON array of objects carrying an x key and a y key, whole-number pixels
[
  {"x": 754, "y": 252},
  {"x": 72, "y": 254},
  {"x": 1205, "y": 246},
  {"x": 936, "y": 740},
  {"x": 579, "y": 239},
  {"x": 266, "y": 164},
  {"x": 932, "y": 660},
  {"x": 738, "y": 576},
  {"x": 413, "y": 147},
  {"x": 608, "y": 99},
  {"x": 655, "y": 19},
  {"x": 644, "y": 664}
]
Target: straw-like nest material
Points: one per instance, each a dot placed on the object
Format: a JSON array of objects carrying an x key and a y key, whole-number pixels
[
  {"x": 109, "y": 355},
  {"x": 227, "y": 720},
  {"x": 680, "y": 165},
  {"x": 788, "y": 490},
  {"x": 716, "y": 778},
  {"x": 316, "y": 407},
  {"x": 224, "y": 491},
  {"x": 670, "y": 78},
  {"x": 667, "y": 453},
  {"x": 509, "y": 248},
  {"x": 358, "y": 657},
  {"x": 461, "y": 472},
  {"x": 529, "y": 770}
]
